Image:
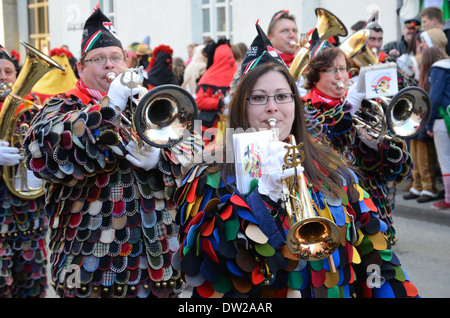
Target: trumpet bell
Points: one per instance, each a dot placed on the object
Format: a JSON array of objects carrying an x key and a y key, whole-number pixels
[
  {"x": 313, "y": 239},
  {"x": 164, "y": 116},
  {"x": 329, "y": 25},
  {"x": 408, "y": 112}
]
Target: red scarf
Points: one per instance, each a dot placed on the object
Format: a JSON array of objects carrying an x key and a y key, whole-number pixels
[
  {"x": 287, "y": 58},
  {"x": 319, "y": 98},
  {"x": 96, "y": 95}
]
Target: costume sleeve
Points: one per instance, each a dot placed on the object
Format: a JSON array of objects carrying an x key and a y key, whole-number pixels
[
  {"x": 235, "y": 246},
  {"x": 208, "y": 98},
  {"x": 111, "y": 221}
]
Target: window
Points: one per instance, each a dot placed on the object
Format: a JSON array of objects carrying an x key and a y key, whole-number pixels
[
  {"x": 38, "y": 25},
  {"x": 216, "y": 17},
  {"x": 107, "y": 7}
]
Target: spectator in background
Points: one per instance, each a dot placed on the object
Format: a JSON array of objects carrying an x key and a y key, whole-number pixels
[
  {"x": 432, "y": 17},
  {"x": 178, "y": 67},
  {"x": 397, "y": 48},
  {"x": 194, "y": 70},
  {"x": 437, "y": 65},
  {"x": 423, "y": 150},
  {"x": 190, "y": 50}
]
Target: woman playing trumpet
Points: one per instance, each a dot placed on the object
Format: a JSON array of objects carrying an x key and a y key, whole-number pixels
[
  {"x": 331, "y": 107},
  {"x": 234, "y": 244}
]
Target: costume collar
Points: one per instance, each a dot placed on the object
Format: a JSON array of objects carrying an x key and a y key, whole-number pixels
[{"x": 318, "y": 97}]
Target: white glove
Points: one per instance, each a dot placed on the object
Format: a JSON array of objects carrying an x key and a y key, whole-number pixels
[
  {"x": 272, "y": 172},
  {"x": 370, "y": 141},
  {"x": 146, "y": 158},
  {"x": 9, "y": 156},
  {"x": 355, "y": 98},
  {"x": 118, "y": 93}
]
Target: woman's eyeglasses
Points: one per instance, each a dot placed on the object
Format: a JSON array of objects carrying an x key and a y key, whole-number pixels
[
  {"x": 335, "y": 70},
  {"x": 282, "y": 98}
]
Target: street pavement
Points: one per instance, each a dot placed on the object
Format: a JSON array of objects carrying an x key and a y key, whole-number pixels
[
  {"x": 422, "y": 247},
  {"x": 411, "y": 209}
]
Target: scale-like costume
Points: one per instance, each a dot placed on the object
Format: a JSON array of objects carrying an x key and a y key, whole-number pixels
[
  {"x": 234, "y": 245},
  {"x": 112, "y": 231},
  {"x": 332, "y": 123}
]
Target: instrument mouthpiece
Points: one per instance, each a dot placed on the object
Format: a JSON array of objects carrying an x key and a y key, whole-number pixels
[
  {"x": 111, "y": 76},
  {"x": 340, "y": 85},
  {"x": 272, "y": 122}
]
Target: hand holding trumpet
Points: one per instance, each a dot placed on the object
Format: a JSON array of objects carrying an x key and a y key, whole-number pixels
[{"x": 123, "y": 87}]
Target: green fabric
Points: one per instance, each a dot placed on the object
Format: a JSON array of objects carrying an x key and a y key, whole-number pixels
[{"x": 446, "y": 117}]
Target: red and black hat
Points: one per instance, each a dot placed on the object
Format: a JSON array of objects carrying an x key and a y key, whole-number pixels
[
  {"x": 4, "y": 55},
  {"x": 260, "y": 51},
  {"x": 98, "y": 32}
]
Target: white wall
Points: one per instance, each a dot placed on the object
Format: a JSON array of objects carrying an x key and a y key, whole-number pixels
[
  {"x": 66, "y": 21},
  {"x": 170, "y": 22},
  {"x": 167, "y": 22}
]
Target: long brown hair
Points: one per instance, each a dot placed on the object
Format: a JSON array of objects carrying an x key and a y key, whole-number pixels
[
  {"x": 332, "y": 168},
  {"x": 429, "y": 57}
]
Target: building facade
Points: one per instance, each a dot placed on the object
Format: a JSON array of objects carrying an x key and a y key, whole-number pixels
[{"x": 47, "y": 24}]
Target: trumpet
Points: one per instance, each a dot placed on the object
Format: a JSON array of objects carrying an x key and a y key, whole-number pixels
[
  {"x": 163, "y": 117},
  {"x": 311, "y": 236}
]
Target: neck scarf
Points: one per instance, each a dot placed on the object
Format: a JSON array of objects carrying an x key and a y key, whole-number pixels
[
  {"x": 317, "y": 97},
  {"x": 287, "y": 58},
  {"x": 92, "y": 93}
]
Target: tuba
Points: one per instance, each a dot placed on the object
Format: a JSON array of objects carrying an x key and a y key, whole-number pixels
[
  {"x": 356, "y": 50},
  {"x": 311, "y": 237},
  {"x": 327, "y": 25},
  {"x": 17, "y": 178},
  {"x": 405, "y": 114}
]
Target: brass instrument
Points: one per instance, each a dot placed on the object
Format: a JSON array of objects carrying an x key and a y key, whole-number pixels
[
  {"x": 164, "y": 115},
  {"x": 5, "y": 89},
  {"x": 327, "y": 25},
  {"x": 35, "y": 66},
  {"x": 356, "y": 50},
  {"x": 311, "y": 237},
  {"x": 405, "y": 114}
]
